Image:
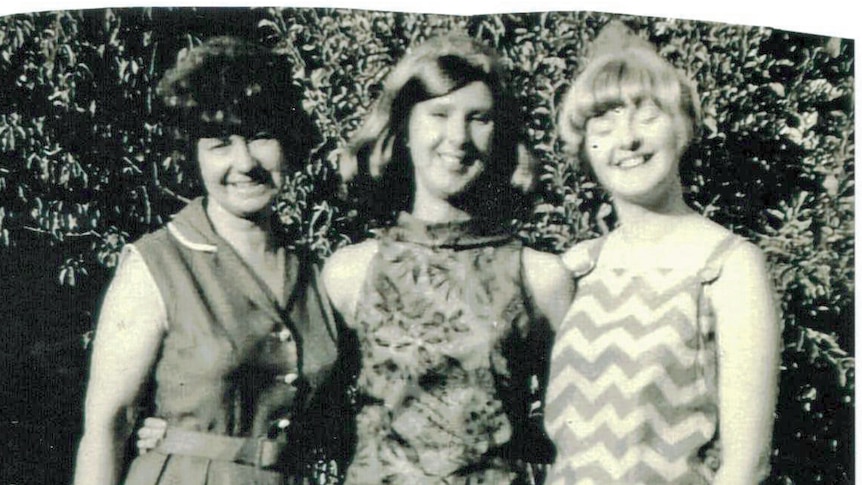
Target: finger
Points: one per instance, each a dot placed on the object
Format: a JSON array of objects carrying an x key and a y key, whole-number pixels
[
  {"x": 145, "y": 446},
  {"x": 145, "y": 433},
  {"x": 155, "y": 423},
  {"x": 148, "y": 443}
]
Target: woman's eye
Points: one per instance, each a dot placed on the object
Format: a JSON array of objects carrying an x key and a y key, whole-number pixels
[
  {"x": 483, "y": 118},
  {"x": 439, "y": 114},
  {"x": 601, "y": 125},
  {"x": 645, "y": 120},
  {"x": 609, "y": 113},
  {"x": 648, "y": 114},
  {"x": 263, "y": 135},
  {"x": 217, "y": 142}
]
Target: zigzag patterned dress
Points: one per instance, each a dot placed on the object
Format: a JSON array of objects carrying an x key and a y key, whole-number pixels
[{"x": 632, "y": 396}]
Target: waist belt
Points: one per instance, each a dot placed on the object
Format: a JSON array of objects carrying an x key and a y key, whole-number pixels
[{"x": 258, "y": 452}]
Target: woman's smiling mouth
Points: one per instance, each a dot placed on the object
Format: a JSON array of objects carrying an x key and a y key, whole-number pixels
[
  {"x": 632, "y": 161},
  {"x": 247, "y": 185},
  {"x": 452, "y": 158}
]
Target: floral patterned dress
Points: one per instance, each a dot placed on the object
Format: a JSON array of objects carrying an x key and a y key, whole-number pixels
[{"x": 452, "y": 354}]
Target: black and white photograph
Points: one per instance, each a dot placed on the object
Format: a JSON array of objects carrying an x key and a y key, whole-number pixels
[{"x": 387, "y": 244}]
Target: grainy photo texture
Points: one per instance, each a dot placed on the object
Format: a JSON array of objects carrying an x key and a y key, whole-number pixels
[{"x": 284, "y": 245}]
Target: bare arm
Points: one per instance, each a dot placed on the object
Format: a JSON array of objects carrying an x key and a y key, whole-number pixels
[
  {"x": 749, "y": 356},
  {"x": 344, "y": 274},
  {"x": 128, "y": 335},
  {"x": 550, "y": 284}
]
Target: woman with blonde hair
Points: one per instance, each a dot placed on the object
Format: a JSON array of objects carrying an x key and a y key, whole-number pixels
[
  {"x": 452, "y": 314},
  {"x": 665, "y": 367}
]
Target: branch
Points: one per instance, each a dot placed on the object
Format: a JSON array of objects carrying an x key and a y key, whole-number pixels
[{"x": 70, "y": 234}]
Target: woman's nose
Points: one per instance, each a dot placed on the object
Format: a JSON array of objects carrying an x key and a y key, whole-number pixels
[
  {"x": 242, "y": 157},
  {"x": 457, "y": 131},
  {"x": 630, "y": 137}
]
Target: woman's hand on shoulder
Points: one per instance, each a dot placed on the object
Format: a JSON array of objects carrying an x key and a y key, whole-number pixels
[
  {"x": 343, "y": 276},
  {"x": 549, "y": 283}
]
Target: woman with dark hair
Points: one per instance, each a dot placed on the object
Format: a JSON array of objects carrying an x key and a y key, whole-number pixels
[
  {"x": 210, "y": 323},
  {"x": 665, "y": 368},
  {"x": 451, "y": 313}
]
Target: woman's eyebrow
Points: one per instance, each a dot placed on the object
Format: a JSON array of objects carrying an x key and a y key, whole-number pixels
[
  {"x": 644, "y": 99},
  {"x": 602, "y": 107},
  {"x": 440, "y": 102}
]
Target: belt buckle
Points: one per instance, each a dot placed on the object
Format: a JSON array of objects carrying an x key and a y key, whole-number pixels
[
  {"x": 265, "y": 452},
  {"x": 259, "y": 445}
]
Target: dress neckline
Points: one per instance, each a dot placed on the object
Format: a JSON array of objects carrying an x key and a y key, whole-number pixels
[{"x": 453, "y": 235}]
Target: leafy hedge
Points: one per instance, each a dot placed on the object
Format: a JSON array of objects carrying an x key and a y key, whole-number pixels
[{"x": 85, "y": 166}]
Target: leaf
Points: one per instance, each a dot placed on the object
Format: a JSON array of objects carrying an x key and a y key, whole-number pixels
[
  {"x": 778, "y": 88},
  {"x": 833, "y": 47}
]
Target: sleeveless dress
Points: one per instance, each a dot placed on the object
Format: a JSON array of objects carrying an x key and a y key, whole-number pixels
[
  {"x": 233, "y": 363},
  {"x": 632, "y": 397},
  {"x": 451, "y": 357}
]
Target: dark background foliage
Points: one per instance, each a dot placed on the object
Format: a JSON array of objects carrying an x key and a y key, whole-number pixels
[{"x": 85, "y": 166}]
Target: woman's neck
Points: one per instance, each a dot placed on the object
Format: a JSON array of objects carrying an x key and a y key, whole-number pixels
[
  {"x": 433, "y": 209},
  {"x": 245, "y": 235},
  {"x": 640, "y": 224}
]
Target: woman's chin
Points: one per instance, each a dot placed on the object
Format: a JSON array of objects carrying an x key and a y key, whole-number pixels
[{"x": 250, "y": 208}]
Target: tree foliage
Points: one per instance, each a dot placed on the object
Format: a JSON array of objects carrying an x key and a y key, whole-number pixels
[{"x": 86, "y": 164}]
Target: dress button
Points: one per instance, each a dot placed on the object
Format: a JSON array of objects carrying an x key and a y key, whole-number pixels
[
  {"x": 283, "y": 335},
  {"x": 288, "y": 378}
]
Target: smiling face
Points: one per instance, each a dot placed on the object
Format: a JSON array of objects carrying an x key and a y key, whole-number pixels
[
  {"x": 242, "y": 175},
  {"x": 450, "y": 141},
  {"x": 634, "y": 150}
]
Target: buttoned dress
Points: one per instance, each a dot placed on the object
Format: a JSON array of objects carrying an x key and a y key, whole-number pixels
[{"x": 233, "y": 362}]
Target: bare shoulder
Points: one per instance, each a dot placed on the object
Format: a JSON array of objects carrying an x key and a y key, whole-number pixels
[
  {"x": 578, "y": 259},
  {"x": 549, "y": 283},
  {"x": 699, "y": 239},
  {"x": 701, "y": 231},
  {"x": 742, "y": 252},
  {"x": 344, "y": 272},
  {"x": 745, "y": 260},
  {"x": 544, "y": 268},
  {"x": 744, "y": 274},
  {"x": 348, "y": 256}
]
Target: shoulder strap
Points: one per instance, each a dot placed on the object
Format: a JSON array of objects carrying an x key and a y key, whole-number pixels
[
  {"x": 581, "y": 258},
  {"x": 712, "y": 268}
]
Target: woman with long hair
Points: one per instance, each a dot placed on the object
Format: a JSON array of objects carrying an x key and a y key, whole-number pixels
[{"x": 452, "y": 314}]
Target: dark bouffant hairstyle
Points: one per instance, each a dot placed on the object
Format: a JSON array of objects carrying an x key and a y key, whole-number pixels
[
  {"x": 228, "y": 85},
  {"x": 376, "y": 162}
]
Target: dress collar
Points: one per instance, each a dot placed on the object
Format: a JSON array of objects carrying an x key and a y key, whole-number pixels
[
  {"x": 191, "y": 228},
  {"x": 456, "y": 235}
]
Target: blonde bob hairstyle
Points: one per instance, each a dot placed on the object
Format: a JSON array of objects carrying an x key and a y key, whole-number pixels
[
  {"x": 376, "y": 162},
  {"x": 621, "y": 68}
]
